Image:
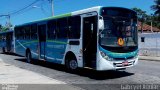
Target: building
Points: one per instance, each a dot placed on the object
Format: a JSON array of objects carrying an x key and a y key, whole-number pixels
[
  {"x": 149, "y": 44},
  {"x": 147, "y": 28}
]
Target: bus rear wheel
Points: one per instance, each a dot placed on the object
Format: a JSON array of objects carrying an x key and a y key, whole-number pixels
[{"x": 28, "y": 57}]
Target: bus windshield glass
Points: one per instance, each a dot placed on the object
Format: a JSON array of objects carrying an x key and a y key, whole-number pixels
[{"x": 120, "y": 30}]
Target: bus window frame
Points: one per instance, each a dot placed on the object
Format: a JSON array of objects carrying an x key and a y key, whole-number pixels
[
  {"x": 75, "y": 25},
  {"x": 33, "y": 32},
  {"x": 52, "y": 27}
]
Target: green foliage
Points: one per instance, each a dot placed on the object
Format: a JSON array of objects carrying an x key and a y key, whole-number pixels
[
  {"x": 156, "y": 7},
  {"x": 147, "y": 19},
  {"x": 5, "y": 28},
  {"x": 2, "y": 28},
  {"x": 140, "y": 13},
  {"x": 156, "y": 17}
]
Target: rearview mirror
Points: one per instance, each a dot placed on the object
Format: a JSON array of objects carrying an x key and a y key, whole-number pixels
[{"x": 101, "y": 23}]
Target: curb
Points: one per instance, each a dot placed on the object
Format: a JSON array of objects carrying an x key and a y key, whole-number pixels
[{"x": 148, "y": 58}]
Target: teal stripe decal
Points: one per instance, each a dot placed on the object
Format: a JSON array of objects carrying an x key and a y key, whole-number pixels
[
  {"x": 54, "y": 41},
  {"x": 118, "y": 55}
]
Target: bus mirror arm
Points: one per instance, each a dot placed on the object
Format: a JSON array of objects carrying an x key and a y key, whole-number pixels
[{"x": 101, "y": 23}]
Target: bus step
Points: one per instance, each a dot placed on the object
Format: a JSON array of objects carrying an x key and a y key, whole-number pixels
[
  {"x": 42, "y": 59},
  {"x": 88, "y": 68}
]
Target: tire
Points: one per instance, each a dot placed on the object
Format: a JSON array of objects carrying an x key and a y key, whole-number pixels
[
  {"x": 72, "y": 64},
  {"x": 28, "y": 57}
]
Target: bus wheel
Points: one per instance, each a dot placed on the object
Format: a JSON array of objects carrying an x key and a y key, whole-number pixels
[
  {"x": 28, "y": 57},
  {"x": 72, "y": 64}
]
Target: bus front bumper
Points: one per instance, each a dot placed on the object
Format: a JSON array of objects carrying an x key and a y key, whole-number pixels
[{"x": 104, "y": 64}]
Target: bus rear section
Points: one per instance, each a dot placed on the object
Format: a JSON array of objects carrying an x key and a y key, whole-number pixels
[{"x": 6, "y": 42}]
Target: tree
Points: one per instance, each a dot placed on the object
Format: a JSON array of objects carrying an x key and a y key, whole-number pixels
[
  {"x": 142, "y": 16},
  {"x": 156, "y": 7},
  {"x": 156, "y": 17},
  {"x": 4, "y": 29}
]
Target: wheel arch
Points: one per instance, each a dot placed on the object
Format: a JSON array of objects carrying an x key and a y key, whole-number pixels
[{"x": 69, "y": 55}]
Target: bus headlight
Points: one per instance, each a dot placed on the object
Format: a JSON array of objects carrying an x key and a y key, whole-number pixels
[
  {"x": 102, "y": 54},
  {"x": 105, "y": 56}
]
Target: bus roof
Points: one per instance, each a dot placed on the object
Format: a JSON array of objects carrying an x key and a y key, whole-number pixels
[
  {"x": 45, "y": 19},
  {"x": 63, "y": 15},
  {"x": 92, "y": 9}
]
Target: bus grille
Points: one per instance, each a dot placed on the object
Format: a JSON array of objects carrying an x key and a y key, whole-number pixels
[{"x": 121, "y": 65}]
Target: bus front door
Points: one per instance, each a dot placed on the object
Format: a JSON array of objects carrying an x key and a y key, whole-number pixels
[
  {"x": 42, "y": 40},
  {"x": 89, "y": 41}
]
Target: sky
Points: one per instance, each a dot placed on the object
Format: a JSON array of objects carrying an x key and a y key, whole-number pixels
[{"x": 42, "y": 9}]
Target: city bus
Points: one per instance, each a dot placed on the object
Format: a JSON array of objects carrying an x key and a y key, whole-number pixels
[
  {"x": 99, "y": 38},
  {"x": 6, "y": 41}
]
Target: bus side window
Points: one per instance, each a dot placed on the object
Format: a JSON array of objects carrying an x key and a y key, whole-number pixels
[
  {"x": 4, "y": 37},
  {"x": 34, "y": 31},
  {"x": 21, "y": 33},
  {"x": 62, "y": 28},
  {"x": 24, "y": 33},
  {"x": 27, "y": 32},
  {"x": 51, "y": 29},
  {"x": 16, "y": 32},
  {"x": 74, "y": 25}
]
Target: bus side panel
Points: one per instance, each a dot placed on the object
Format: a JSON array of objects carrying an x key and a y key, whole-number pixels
[
  {"x": 50, "y": 51},
  {"x": 19, "y": 47},
  {"x": 2, "y": 43},
  {"x": 6, "y": 41},
  {"x": 22, "y": 45},
  {"x": 9, "y": 42},
  {"x": 33, "y": 47},
  {"x": 55, "y": 50}
]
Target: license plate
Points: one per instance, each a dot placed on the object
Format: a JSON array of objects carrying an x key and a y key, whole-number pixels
[{"x": 125, "y": 63}]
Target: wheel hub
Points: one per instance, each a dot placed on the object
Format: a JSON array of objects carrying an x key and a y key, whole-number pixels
[{"x": 73, "y": 64}]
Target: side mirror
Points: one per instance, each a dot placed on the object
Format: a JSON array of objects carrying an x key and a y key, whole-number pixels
[{"x": 101, "y": 23}]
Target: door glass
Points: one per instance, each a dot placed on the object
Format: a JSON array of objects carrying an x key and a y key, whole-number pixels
[
  {"x": 42, "y": 33},
  {"x": 90, "y": 41},
  {"x": 42, "y": 40}
]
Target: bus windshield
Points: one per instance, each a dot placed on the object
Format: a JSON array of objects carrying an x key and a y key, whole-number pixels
[{"x": 119, "y": 24}]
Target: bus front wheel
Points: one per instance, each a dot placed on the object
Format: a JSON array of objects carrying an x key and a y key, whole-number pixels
[{"x": 72, "y": 64}]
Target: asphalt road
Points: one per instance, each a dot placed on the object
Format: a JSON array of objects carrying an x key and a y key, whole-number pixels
[{"x": 146, "y": 72}]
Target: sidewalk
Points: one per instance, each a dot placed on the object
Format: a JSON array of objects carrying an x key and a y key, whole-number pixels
[
  {"x": 149, "y": 58},
  {"x": 12, "y": 74},
  {"x": 28, "y": 80}
]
